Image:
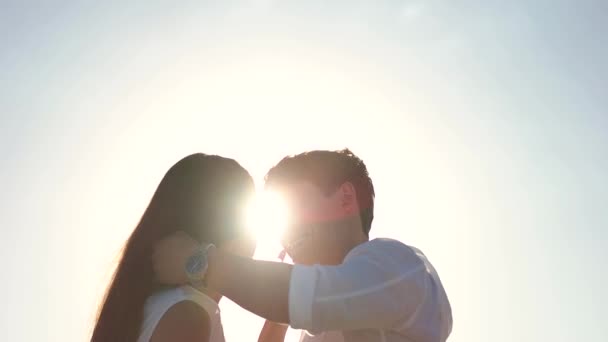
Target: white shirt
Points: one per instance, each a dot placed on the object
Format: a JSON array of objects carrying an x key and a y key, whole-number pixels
[
  {"x": 158, "y": 304},
  {"x": 383, "y": 291}
]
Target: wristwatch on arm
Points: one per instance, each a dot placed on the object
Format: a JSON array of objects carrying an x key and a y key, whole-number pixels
[{"x": 197, "y": 265}]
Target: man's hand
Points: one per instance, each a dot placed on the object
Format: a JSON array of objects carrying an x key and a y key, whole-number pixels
[{"x": 170, "y": 257}]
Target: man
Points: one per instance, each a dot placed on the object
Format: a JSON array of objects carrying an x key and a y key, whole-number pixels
[{"x": 342, "y": 287}]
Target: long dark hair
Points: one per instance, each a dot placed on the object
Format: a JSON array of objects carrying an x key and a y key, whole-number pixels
[{"x": 203, "y": 195}]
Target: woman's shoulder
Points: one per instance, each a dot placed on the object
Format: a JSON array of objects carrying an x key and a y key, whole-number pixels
[
  {"x": 165, "y": 299},
  {"x": 184, "y": 321},
  {"x": 162, "y": 302}
]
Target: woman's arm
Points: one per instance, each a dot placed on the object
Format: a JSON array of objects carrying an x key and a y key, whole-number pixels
[
  {"x": 185, "y": 322},
  {"x": 273, "y": 332}
]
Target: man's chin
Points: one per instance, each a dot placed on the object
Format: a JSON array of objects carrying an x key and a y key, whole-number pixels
[{"x": 302, "y": 260}]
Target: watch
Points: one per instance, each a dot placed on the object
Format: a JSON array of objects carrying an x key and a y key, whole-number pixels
[{"x": 196, "y": 266}]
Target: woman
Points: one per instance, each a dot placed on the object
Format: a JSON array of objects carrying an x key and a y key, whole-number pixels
[{"x": 205, "y": 196}]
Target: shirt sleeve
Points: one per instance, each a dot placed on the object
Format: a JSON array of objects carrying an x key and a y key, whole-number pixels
[{"x": 379, "y": 285}]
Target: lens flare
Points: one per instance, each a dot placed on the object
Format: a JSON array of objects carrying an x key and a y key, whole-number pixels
[{"x": 267, "y": 217}]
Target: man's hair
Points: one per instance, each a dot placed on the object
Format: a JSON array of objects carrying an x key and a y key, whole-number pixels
[{"x": 328, "y": 170}]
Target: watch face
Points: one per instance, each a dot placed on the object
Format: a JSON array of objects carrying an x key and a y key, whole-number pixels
[{"x": 195, "y": 264}]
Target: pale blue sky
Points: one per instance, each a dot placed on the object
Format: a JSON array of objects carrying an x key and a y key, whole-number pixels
[{"x": 483, "y": 124}]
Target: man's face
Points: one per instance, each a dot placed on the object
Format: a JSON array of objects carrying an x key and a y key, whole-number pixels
[{"x": 309, "y": 237}]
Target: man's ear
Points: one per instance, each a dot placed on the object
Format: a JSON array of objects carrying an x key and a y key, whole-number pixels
[{"x": 349, "y": 197}]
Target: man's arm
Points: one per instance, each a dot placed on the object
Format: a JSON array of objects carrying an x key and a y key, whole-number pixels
[
  {"x": 261, "y": 287},
  {"x": 379, "y": 286},
  {"x": 272, "y": 331}
]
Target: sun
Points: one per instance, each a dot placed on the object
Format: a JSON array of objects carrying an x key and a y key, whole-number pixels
[{"x": 267, "y": 219}]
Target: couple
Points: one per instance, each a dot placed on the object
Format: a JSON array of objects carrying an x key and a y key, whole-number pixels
[{"x": 191, "y": 248}]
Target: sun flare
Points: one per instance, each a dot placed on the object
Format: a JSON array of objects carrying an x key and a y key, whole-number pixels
[{"x": 267, "y": 217}]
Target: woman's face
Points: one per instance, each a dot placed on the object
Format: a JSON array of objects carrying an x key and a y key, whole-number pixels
[{"x": 243, "y": 246}]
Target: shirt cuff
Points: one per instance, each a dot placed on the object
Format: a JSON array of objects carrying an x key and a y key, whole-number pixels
[{"x": 301, "y": 296}]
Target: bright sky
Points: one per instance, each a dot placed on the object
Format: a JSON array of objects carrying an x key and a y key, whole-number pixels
[{"x": 483, "y": 127}]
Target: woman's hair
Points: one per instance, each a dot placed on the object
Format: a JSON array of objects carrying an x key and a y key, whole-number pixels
[{"x": 203, "y": 195}]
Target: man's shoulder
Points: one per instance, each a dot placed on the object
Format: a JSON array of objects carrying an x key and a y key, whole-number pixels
[
  {"x": 387, "y": 247},
  {"x": 388, "y": 244}
]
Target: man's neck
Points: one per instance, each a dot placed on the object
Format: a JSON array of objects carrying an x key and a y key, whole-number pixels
[
  {"x": 353, "y": 236},
  {"x": 354, "y": 243}
]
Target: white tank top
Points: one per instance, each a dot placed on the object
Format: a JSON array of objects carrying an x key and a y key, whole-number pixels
[{"x": 157, "y": 304}]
